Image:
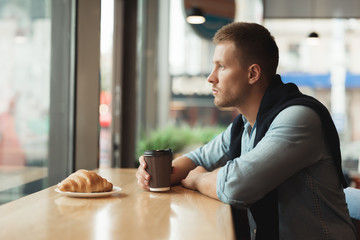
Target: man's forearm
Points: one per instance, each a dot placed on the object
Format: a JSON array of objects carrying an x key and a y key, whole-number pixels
[
  {"x": 181, "y": 168},
  {"x": 207, "y": 184},
  {"x": 203, "y": 181}
]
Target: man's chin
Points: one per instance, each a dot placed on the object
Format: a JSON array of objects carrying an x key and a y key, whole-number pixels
[{"x": 219, "y": 104}]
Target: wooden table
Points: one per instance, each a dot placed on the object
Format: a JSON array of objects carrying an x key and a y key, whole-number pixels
[{"x": 132, "y": 214}]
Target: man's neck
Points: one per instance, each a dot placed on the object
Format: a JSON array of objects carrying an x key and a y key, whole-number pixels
[{"x": 251, "y": 108}]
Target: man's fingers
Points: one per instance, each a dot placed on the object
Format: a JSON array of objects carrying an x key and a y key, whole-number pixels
[
  {"x": 142, "y": 175},
  {"x": 142, "y": 182},
  {"x": 143, "y": 185},
  {"x": 142, "y": 162}
]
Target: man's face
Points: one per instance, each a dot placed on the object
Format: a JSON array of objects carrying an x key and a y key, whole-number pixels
[{"x": 228, "y": 78}]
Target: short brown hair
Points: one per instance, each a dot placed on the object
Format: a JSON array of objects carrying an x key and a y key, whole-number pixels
[{"x": 255, "y": 43}]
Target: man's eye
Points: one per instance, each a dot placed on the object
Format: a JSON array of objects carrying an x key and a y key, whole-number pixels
[{"x": 221, "y": 66}]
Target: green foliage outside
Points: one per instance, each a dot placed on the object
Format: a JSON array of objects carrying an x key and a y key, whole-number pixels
[{"x": 177, "y": 138}]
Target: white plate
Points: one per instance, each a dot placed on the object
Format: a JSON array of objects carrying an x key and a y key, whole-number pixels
[{"x": 89, "y": 195}]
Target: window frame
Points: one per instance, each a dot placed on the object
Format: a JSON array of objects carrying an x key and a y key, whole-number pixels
[{"x": 75, "y": 87}]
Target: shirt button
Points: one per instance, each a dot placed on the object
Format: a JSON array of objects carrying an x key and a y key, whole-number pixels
[{"x": 255, "y": 230}]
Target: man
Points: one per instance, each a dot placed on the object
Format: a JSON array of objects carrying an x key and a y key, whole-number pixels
[{"x": 279, "y": 159}]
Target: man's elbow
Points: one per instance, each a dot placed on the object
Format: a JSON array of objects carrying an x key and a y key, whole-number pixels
[{"x": 243, "y": 194}]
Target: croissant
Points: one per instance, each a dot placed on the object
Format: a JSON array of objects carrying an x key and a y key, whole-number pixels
[{"x": 86, "y": 182}]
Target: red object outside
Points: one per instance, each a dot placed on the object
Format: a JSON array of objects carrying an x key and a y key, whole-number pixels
[{"x": 105, "y": 109}]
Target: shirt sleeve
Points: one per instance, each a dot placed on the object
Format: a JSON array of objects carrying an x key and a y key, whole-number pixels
[
  {"x": 293, "y": 141},
  {"x": 214, "y": 154}
]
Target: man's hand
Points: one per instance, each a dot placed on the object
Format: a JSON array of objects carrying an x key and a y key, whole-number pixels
[
  {"x": 181, "y": 167},
  {"x": 142, "y": 175},
  {"x": 193, "y": 178},
  {"x": 201, "y": 180}
]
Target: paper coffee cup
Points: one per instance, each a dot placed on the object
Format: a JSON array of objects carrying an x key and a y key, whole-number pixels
[{"x": 158, "y": 165}]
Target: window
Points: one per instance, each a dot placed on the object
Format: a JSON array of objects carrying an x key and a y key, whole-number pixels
[
  {"x": 36, "y": 94},
  {"x": 25, "y": 50},
  {"x": 175, "y": 93}
]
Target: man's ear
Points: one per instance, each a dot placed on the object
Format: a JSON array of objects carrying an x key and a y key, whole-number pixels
[{"x": 254, "y": 73}]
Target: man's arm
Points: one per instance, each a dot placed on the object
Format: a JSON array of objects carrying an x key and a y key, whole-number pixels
[
  {"x": 211, "y": 156},
  {"x": 293, "y": 142},
  {"x": 181, "y": 168},
  {"x": 203, "y": 181}
]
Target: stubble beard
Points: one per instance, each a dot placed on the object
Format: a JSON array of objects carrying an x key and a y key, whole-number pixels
[
  {"x": 230, "y": 101},
  {"x": 222, "y": 103}
]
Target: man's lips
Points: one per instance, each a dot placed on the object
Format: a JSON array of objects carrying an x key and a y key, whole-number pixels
[{"x": 214, "y": 91}]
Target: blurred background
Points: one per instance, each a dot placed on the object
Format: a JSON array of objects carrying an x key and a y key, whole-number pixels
[{"x": 143, "y": 81}]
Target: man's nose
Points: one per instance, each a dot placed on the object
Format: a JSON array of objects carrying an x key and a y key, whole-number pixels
[{"x": 212, "y": 77}]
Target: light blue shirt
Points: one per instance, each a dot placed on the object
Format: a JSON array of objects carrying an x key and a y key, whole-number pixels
[{"x": 292, "y": 157}]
